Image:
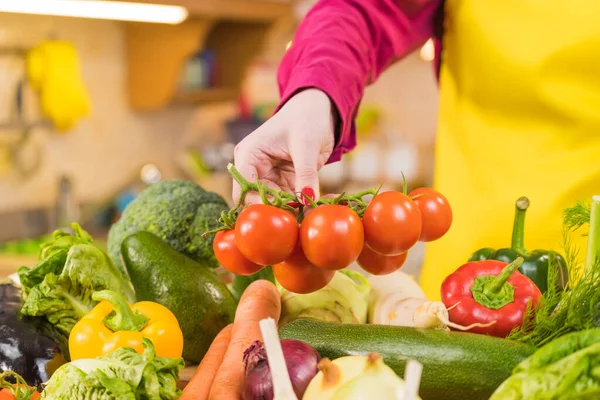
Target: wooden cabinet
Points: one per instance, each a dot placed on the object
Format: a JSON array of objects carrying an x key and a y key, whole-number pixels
[{"x": 156, "y": 53}]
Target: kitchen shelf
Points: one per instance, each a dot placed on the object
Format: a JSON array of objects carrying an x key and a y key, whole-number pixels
[
  {"x": 212, "y": 95},
  {"x": 242, "y": 10},
  {"x": 234, "y": 30}
]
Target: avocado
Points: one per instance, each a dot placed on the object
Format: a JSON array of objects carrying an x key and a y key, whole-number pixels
[{"x": 199, "y": 300}]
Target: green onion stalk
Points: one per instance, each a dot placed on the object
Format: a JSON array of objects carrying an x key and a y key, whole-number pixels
[{"x": 592, "y": 259}]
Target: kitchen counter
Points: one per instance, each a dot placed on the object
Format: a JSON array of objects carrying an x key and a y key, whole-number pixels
[{"x": 10, "y": 263}]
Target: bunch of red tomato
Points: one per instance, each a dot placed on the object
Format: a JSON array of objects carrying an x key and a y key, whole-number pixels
[{"x": 305, "y": 256}]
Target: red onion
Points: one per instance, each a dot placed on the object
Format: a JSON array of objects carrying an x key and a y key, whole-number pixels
[{"x": 301, "y": 360}]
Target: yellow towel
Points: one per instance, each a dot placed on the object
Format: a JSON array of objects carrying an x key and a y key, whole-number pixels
[{"x": 53, "y": 70}]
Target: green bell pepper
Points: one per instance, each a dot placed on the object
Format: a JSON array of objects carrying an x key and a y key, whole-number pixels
[{"x": 536, "y": 263}]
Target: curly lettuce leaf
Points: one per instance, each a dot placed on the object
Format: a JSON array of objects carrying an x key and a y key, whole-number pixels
[
  {"x": 161, "y": 377},
  {"x": 122, "y": 374},
  {"x": 568, "y": 367},
  {"x": 69, "y": 382},
  {"x": 60, "y": 287}
]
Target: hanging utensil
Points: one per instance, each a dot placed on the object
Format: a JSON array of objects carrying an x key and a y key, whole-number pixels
[{"x": 26, "y": 155}]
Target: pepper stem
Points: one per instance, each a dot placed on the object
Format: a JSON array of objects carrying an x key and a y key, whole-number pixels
[
  {"x": 518, "y": 233},
  {"x": 499, "y": 281},
  {"x": 123, "y": 318},
  {"x": 494, "y": 291}
]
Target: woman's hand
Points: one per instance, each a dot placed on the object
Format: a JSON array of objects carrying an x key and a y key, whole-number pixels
[{"x": 288, "y": 150}]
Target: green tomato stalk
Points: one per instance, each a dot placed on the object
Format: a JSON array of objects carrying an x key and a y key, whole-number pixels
[
  {"x": 20, "y": 390},
  {"x": 278, "y": 198},
  {"x": 284, "y": 200}
]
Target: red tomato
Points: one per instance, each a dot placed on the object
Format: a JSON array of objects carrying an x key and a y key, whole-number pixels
[
  {"x": 298, "y": 275},
  {"x": 392, "y": 223},
  {"x": 377, "y": 264},
  {"x": 7, "y": 394},
  {"x": 332, "y": 236},
  {"x": 230, "y": 257},
  {"x": 266, "y": 235},
  {"x": 436, "y": 213}
]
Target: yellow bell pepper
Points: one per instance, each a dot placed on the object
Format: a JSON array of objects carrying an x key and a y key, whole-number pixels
[{"x": 113, "y": 324}]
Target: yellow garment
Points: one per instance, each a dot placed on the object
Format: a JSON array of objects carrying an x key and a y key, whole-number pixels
[
  {"x": 53, "y": 70},
  {"x": 519, "y": 116}
]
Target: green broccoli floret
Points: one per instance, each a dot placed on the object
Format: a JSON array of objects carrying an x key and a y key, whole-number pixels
[{"x": 178, "y": 212}]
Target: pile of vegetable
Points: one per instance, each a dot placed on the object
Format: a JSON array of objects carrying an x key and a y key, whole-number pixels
[
  {"x": 247, "y": 361},
  {"x": 84, "y": 328},
  {"x": 501, "y": 299},
  {"x": 297, "y": 323},
  {"x": 306, "y": 240}
]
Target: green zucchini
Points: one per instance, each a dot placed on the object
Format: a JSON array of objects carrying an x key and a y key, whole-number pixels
[{"x": 456, "y": 365}]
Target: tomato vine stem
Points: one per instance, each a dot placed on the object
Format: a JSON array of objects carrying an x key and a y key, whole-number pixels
[
  {"x": 284, "y": 200},
  {"x": 279, "y": 198}
]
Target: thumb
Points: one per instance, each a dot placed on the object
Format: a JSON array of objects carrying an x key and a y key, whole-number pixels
[{"x": 306, "y": 172}]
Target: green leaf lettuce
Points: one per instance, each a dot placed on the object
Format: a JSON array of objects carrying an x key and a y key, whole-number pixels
[
  {"x": 60, "y": 287},
  {"x": 566, "y": 368},
  {"x": 120, "y": 375}
]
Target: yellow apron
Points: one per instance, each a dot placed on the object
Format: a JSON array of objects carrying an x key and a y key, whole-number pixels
[{"x": 519, "y": 116}]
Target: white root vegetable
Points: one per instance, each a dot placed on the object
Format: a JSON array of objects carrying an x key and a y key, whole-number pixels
[
  {"x": 398, "y": 285},
  {"x": 397, "y": 299},
  {"x": 412, "y": 379},
  {"x": 418, "y": 313},
  {"x": 282, "y": 385}
]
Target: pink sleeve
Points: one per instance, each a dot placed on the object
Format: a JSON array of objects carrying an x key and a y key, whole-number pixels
[{"x": 343, "y": 45}]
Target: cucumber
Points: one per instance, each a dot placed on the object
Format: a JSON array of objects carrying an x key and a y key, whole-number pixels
[{"x": 456, "y": 365}]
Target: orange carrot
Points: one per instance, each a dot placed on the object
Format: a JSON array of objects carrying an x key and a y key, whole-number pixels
[
  {"x": 260, "y": 300},
  {"x": 199, "y": 386}
]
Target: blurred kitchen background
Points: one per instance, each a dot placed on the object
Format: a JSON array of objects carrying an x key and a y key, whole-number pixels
[{"x": 94, "y": 110}]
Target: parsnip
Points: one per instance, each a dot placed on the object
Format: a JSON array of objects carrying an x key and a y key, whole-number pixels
[
  {"x": 416, "y": 313},
  {"x": 398, "y": 285}
]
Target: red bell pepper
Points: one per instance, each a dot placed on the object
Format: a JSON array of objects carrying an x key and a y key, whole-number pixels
[{"x": 491, "y": 293}]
